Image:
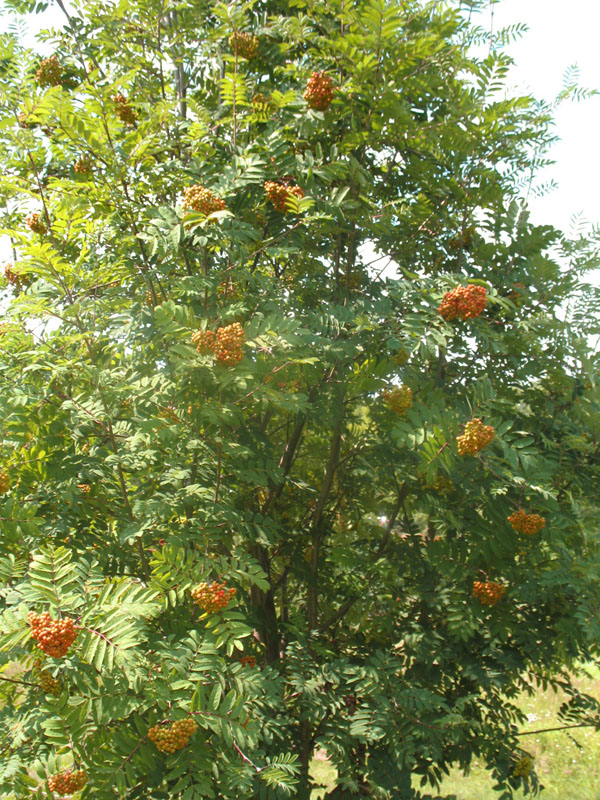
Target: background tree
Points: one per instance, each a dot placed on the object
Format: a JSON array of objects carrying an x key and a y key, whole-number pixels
[{"x": 300, "y": 432}]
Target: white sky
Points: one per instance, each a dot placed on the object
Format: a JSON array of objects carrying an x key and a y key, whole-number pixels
[{"x": 560, "y": 34}]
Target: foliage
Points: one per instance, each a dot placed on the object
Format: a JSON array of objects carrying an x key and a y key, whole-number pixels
[{"x": 194, "y": 383}]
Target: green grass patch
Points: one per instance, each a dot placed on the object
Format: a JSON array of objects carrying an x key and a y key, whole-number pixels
[{"x": 567, "y": 762}]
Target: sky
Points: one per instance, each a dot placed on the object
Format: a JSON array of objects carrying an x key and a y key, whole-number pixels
[{"x": 560, "y": 35}]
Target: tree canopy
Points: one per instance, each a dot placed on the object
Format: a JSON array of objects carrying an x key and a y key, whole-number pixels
[{"x": 300, "y": 438}]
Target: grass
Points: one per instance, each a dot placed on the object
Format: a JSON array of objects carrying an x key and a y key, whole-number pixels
[{"x": 567, "y": 762}]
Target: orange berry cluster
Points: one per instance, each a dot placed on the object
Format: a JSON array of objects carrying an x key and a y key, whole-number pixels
[
  {"x": 475, "y": 438},
  {"x": 198, "y": 198},
  {"x": 526, "y": 523},
  {"x": 49, "y": 72},
  {"x": 487, "y": 592},
  {"x": 278, "y": 194},
  {"x": 442, "y": 485},
  {"x": 54, "y": 636},
  {"x": 24, "y": 121},
  {"x": 248, "y": 661},
  {"x": 4, "y": 481},
  {"x": 260, "y": 102},
  {"x": 398, "y": 399},
  {"x": 204, "y": 341},
  {"x": 67, "y": 782},
  {"x": 212, "y": 597},
  {"x": 49, "y": 684},
  {"x": 228, "y": 344},
  {"x": 15, "y": 278},
  {"x": 319, "y": 91},
  {"x": 170, "y": 738},
  {"x": 523, "y": 767},
  {"x": 35, "y": 223},
  {"x": 463, "y": 302},
  {"x": 168, "y": 412},
  {"x": 244, "y": 44},
  {"x": 124, "y": 111},
  {"x": 401, "y": 356},
  {"x": 83, "y": 165}
]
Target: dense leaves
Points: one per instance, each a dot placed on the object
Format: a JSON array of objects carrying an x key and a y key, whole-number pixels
[{"x": 284, "y": 361}]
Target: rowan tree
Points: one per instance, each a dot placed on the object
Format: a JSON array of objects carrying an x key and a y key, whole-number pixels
[{"x": 299, "y": 416}]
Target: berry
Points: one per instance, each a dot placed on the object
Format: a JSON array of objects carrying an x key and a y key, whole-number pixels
[
  {"x": 170, "y": 738},
  {"x": 228, "y": 344},
  {"x": 24, "y": 121},
  {"x": 83, "y": 165},
  {"x": 487, "y": 592},
  {"x": 523, "y": 767},
  {"x": 527, "y": 524},
  {"x": 248, "y": 661},
  {"x": 442, "y": 485},
  {"x": 212, "y": 597},
  {"x": 15, "y": 278},
  {"x": 85, "y": 488},
  {"x": 463, "y": 302},
  {"x": 36, "y": 224},
  {"x": 54, "y": 636},
  {"x": 261, "y": 104},
  {"x": 278, "y": 194},
  {"x": 49, "y": 684},
  {"x": 198, "y": 198},
  {"x": 168, "y": 412},
  {"x": 244, "y": 44},
  {"x": 204, "y": 341},
  {"x": 4, "y": 481},
  {"x": 124, "y": 111},
  {"x": 475, "y": 438},
  {"x": 398, "y": 399},
  {"x": 319, "y": 91},
  {"x": 67, "y": 782},
  {"x": 49, "y": 72},
  {"x": 401, "y": 356}
]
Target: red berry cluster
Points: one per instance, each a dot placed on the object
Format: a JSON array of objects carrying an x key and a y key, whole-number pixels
[
  {"x": 244, "y": 44},
  {"x": 54, "y": 636},
  {"x": 526, "y": 523},
  {"x": 248, "y": 661},
  {"x": 319, "y": 91},
  {"x": 398, "y": 399},
  {"x": 463, "y": 302},
  {"x": 198, "y": 198},
  {"x": 124, "y": 111},
  {"x": 36, "y": 224},
  {"x": 278, "y": 194},
  {"x": 523, "y": 767},
  {"x": 15, "y": 277},
  {"x": 67, "y": 782},
  {"x": 212, "y": 597},
  {"x": 170, "y": 738},
  {"x": 475, "y": 438},
  {"x": 49, "y": 684},
  {"x": 49, "y": 72},
  {"x": 487, "y": 592},
  {"x": 83, "y": 165},
  {"x": 204, "y": 341}
]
